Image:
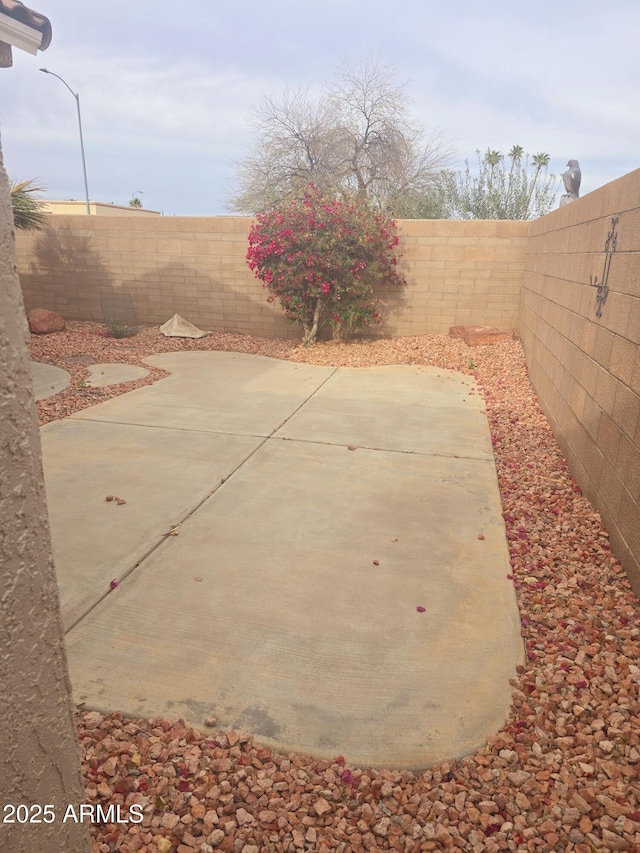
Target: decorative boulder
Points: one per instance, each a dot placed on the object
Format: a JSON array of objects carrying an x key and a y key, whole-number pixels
[
  {"x": 42, "y": 322},
  {"x": 475, "y": 336}
]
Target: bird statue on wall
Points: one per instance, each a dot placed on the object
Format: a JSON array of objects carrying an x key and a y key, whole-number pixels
[{"x": 571, "y": 178}]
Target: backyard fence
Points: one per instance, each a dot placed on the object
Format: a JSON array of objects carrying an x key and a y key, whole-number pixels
[{"x": 106, "y": 267}]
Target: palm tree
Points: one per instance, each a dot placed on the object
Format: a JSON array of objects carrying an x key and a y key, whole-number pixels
[
  {"x": 493, "y": 158},
  {"x": 515, "y": 155},
  {"x": 135, "y": 202},
  {"x": 540, "y": 161},
  {"x": 27, "y": 209}
]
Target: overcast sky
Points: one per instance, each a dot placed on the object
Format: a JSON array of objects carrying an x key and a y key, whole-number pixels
[{"x": 168, "y": 89}]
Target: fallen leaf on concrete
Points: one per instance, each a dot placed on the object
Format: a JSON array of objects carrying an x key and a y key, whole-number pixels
[
  {"x": 109, "y": 498},
  {"x": 114, "y": 583},
  {"x": 376, "y": 562},
  {"x": 120, "y": 501},
  {"x": 351, "y": 447},
  {"x": 420, "y": 608}
]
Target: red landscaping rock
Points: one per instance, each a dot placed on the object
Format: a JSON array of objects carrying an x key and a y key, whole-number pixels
[
  {"x": 475, "y": 336},
  {"x": 42, "y": 322},
  {"x": 562, "y": 775}
]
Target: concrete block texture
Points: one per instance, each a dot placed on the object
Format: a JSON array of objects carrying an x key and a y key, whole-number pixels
[
  {"x": 590, "y": 391},
  {"x": 159, "y": 262}
]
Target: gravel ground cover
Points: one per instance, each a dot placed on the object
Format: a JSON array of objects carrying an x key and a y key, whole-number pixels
[{"x": 564, "y": 772}]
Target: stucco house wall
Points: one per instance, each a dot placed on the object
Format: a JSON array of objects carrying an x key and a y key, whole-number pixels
[{"x": 39, "y": 755}]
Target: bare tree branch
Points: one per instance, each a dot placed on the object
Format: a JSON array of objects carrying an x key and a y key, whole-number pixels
[{"x": 355, "y": 140}]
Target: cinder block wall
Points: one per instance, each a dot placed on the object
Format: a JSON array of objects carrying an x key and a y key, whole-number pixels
[
  {"x": 458, "y": 273},
  {"x": 585, "y": 368},
  {"x": 96, "y": 267},
  {"x": 93, "y": 267}
]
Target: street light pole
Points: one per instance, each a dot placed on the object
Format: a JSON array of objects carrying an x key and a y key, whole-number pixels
[{"x": 84, "y": 165}]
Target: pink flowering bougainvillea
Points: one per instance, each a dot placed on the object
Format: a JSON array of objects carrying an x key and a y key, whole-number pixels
[{"x": 321, "y": 258}]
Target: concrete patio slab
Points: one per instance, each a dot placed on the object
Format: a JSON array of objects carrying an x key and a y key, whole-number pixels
[
  {"x": 161, "y": 474},
  {"x": 277, "y": 621},
  {"x": 114, "y": 373},
  {"x": 287, "y": 605},
  {"x": 48, "y": 379},
  {"x": 427, "y": 411},
  {"x": 216, "y": 392}
]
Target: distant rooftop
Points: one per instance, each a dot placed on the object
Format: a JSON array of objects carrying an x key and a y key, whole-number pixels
[{"x": 98, "y": 208}]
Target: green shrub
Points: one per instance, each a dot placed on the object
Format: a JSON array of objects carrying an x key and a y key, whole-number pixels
[{"x": 119, "y": 329}]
